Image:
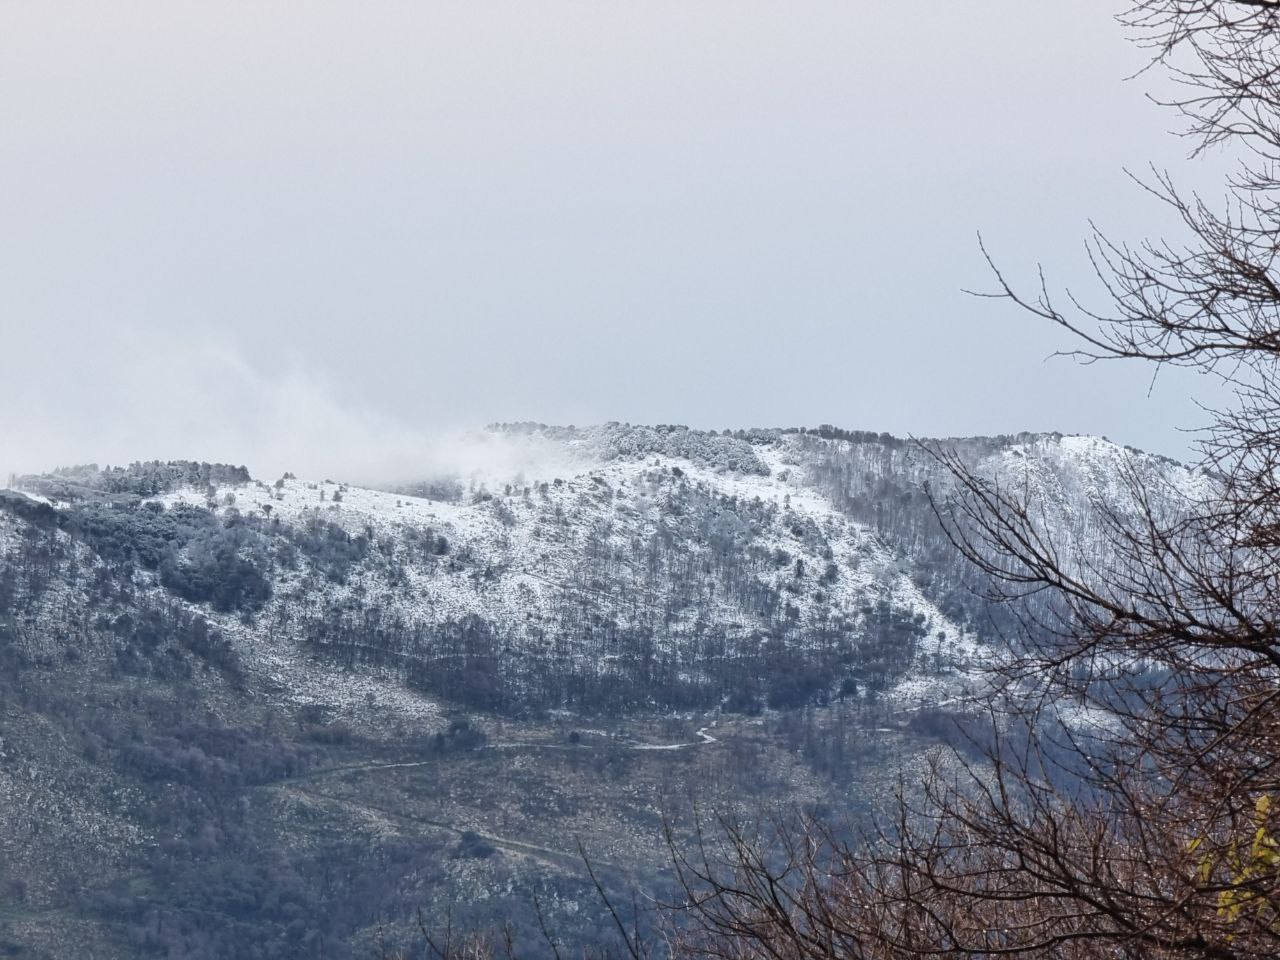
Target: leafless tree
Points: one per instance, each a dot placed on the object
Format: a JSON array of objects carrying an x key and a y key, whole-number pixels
[{"x": 1129, "y": 802}]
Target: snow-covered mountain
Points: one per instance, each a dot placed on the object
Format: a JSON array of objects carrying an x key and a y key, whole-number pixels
[
  {"x": 601, "y": 568},
  {"x": 281, "y": 717}
]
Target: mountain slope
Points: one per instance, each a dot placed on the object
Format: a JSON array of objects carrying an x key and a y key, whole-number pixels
[
  {"x": 613, "y": 567},
  {"x": 246, "y": 718}
]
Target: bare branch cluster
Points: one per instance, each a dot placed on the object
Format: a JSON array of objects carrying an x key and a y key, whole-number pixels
[{"x": 1129, "y": 803}]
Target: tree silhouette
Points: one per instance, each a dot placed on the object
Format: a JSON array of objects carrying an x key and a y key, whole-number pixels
[{"x": 1126, "y": 805}]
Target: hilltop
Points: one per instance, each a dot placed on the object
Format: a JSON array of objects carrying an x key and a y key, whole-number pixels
[{"x": 390, "y": 698}]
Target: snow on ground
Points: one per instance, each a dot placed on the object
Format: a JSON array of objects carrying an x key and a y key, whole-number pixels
[
  {"x": 515, "y": 556},
  {"x": 520, "y": 532}
]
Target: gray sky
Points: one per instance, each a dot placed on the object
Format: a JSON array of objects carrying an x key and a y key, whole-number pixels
[{"x": 310, "y": 235}]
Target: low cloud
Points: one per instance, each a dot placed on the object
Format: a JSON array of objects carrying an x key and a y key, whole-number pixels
[{"x": 122, "y": 395}]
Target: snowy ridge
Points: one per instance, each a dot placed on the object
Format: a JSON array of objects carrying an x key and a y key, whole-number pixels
[
  {"x": 637, "y": 565},
  {"x": 1072, "y": 482},
  {"x": 661, "y": 547}
]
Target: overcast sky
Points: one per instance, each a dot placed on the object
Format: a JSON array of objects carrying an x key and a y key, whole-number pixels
[{"x": 309, "y": 236}]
